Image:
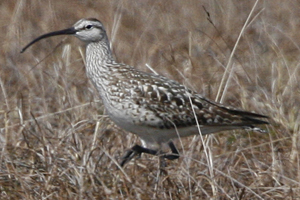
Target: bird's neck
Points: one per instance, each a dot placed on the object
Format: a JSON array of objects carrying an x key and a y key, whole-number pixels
[
  {"x": 98, "y": 58},
  {"x": 99, "y": 62},
  {"x": 99, "y": 53}
]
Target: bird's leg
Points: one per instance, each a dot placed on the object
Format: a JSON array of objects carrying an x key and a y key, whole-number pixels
[
  {"x": 137, "y": 150},
  {"x": 134, "y": 151},
  {"x": 174, "y": 155}
]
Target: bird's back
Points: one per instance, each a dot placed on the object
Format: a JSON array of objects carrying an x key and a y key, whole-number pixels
[{"x": 145, "y": 103}]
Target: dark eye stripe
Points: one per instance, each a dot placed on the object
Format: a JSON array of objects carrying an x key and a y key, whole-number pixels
[{"x": 89, "y": 26}]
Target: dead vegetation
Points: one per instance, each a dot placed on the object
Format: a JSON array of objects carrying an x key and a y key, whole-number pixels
[{"x": 57, "y": 143}]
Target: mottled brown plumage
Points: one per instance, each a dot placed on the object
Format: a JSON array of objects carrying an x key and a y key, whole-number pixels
[{"x": 155, "y": 108}]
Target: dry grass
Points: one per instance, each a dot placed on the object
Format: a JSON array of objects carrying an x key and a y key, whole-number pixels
[{"x": 57, "y": 143}]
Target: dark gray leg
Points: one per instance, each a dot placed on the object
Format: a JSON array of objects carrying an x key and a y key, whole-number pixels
[
  {"x": 137, "y": 150},
  {"x": 175, "y": 153},
  {"x": 134, "y": 151}
]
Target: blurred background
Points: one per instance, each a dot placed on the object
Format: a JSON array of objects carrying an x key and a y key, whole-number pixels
[{"x": 57, "y": 143}]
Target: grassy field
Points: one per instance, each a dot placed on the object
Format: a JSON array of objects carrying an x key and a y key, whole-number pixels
[{"x": 57, "y": 142}]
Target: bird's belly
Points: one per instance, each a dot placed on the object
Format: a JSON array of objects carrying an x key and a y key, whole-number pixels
[
  {"x": 154, "y": 136},
  {"x": 151, "y": 134},
  {"x": 150, "y": 128}
]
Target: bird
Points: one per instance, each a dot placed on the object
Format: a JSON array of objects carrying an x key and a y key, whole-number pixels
[{"x": 153, "y": 107}]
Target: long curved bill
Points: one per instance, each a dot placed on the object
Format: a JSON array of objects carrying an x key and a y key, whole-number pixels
[{"x": 68, "y": 31}]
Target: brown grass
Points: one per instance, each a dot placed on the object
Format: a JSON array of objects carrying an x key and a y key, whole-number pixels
[{"x": 57, "y": 143}]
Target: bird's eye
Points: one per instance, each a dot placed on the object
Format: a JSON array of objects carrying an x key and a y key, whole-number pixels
[{"x": 89, "y": 27}]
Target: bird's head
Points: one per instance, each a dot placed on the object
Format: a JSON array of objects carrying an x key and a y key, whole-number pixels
[{"x": 87, "y": 30}]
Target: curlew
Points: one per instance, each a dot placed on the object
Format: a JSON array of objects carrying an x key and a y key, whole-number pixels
[{"x": 151, "y": 106}]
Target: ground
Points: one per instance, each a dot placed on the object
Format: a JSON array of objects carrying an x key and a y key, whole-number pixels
[{"x": 57, "y": 142}]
